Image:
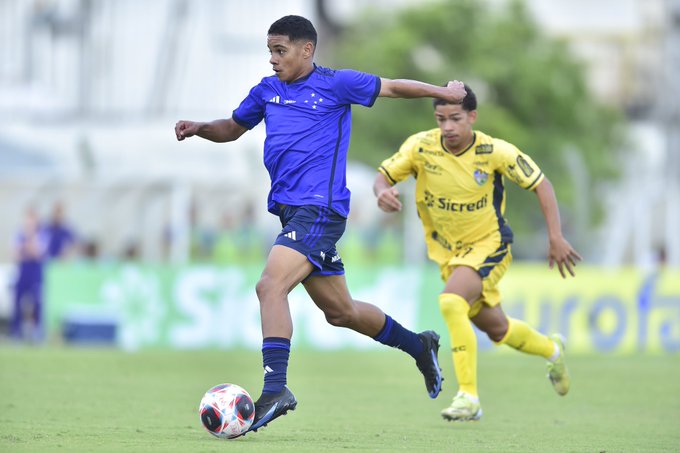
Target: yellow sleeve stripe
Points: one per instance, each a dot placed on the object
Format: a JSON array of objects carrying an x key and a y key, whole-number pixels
[{"x": 384, "y": 171}]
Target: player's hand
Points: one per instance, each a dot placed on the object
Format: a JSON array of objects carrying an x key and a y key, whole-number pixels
[
  {"x": 388, "y": 200},
  {"x": 562, "y": 254},
  {"x": 456, "y": 91},
  {"x": 184, "y": 129}
]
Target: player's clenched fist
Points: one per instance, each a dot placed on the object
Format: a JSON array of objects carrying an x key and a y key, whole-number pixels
[
  {"x": 457, "y": 89},
  {"x": 184, "y": 129},
  {"x": 388, "y": 200}
]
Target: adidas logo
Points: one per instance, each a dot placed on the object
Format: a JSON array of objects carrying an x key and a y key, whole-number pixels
[
  {"x": 291, "y": 235},
  {"x": 267, "y": 369},
  {"x": 277, "y": 100}
]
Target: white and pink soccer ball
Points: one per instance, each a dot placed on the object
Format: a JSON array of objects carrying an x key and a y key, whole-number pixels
[{"x": 226, "y": 411}]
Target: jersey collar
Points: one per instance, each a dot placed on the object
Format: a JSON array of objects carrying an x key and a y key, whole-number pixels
[
  {"x": 303, "y": 79},
  {"x": 446, "y": 150}
]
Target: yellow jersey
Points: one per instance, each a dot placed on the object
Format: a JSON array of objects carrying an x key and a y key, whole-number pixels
[{"x": 460, "y": 198}]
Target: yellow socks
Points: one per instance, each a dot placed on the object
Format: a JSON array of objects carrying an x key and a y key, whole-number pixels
[
  {"x": 455, "y": 311},
  {"x": 519, "y": 336},
  {"x": 523, "y": 338}
]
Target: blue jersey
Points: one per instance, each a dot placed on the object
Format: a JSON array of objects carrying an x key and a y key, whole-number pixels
[
  {"x": 59, "y": 238},
  {"x": 30, "y": 246},
  {"x": 308, "y": 124}
]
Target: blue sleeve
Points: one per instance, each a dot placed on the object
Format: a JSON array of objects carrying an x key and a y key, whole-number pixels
[
  {"x": 251, "y": 110},
  {"x": 354, "y": 87}
]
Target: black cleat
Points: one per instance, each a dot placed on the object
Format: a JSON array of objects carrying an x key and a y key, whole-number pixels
[
  {"x": 428, "y": 364},
  {"x": 270, "y": 406}
]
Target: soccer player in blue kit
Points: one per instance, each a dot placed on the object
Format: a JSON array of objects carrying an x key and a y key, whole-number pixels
[{"x": 307, "y": 112}]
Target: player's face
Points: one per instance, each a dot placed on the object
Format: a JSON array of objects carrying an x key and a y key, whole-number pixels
[
  {"x": 455, "y": 124},
  {"x": 290, "y": 60}
]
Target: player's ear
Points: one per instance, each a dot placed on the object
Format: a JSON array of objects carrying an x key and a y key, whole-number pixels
[
  {"x": 308, "y": 50},
  {"x": 473, "y": 116}
]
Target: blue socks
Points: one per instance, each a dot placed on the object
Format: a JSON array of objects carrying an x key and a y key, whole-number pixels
[
  {"x": 395, "y": 335},
  {"x": 275, "y": 353}
]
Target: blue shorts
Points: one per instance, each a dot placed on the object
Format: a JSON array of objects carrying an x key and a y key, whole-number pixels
[{"x": 313, "y": 231}]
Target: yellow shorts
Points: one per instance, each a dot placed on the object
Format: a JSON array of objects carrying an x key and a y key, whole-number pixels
[{"x": 490, "y": 258}]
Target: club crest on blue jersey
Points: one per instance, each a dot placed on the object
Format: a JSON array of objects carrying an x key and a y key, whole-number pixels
[{"x": 481, "y": 177}]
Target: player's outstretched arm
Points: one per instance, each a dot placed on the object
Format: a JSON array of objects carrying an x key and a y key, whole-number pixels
[
  {"x": 387, "y": 195},
  {"x": 217, "y": 131},
  {"x": 404, "y": 88},
  {"x": 561, "y": 252}
]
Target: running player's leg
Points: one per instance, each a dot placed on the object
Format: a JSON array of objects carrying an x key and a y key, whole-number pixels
[
  {"x": 17, "y": 320},
  {"x": 472, "y": 270},
  {"x": 331, "y": 295},
  {"x": 513, "y": 332},
  {"x": 38, "y": 332},
  {"x": 463, "y": 286},
  {"x": 521, "y": 336},
  {"x": 285, "y": 268}
]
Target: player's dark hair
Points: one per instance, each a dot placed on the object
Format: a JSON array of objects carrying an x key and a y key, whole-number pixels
[
  {"x": 295, "y": 27},
  {"x": 469, "y": 101}
]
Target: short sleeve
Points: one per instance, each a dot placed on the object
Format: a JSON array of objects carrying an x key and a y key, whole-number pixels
[
  {"x": 517, "y": 166},
  {"x": 355, "y": 87},
  {"x": 401, "y": 165},
  {"x": 251, "y": 110}
]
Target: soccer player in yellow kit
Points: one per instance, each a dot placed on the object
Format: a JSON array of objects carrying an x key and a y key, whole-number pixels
[{"x": 460, "y": 199}]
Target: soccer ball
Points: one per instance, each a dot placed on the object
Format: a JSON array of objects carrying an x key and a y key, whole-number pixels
[{"x": 226, "y": 411}]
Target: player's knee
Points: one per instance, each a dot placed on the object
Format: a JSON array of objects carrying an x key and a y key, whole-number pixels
[
  {"x": 452, "y": 305},
  {"x": 496, "y": 334},
  {"x": 262, "y": 287},
  {"x": 267, "y": 288},
  {"x": 496, "y": 331},
  {"x": 339, "y": 318}
]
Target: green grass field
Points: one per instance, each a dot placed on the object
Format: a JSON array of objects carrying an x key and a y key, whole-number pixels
[{"x": 87, "y": 399}]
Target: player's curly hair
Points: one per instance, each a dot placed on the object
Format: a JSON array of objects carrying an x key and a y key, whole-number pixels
[
  {"x": 295, "y": 27},
  {"x": 469, "y": 101}
]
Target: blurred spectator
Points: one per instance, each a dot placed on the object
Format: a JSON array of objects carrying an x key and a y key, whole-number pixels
[
  {"x": 61, "y": 238},
  {"x": 239, "y": 241},
  {"x": 30, "y": 251},
  {"x": 131, "y": 251},
  {"x": 202, "y": 239},
  {"x": 352, "y": 246},
  {"x": 384, "y": 241},
  {"x": 90, "y": 250},
  {"x": 373, "y": 242}
]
